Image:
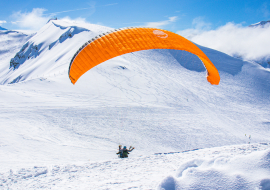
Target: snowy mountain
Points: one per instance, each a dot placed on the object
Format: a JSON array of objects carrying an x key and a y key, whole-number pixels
[
  {"x": 156, "y": 100},
  {"x": 1, "y": 28},
  {"x": 265, "y": 61},
  {"x": 261, "y": 24},
  {"x": 10, "y": 43},
  {"x": 56, "y": 42}
]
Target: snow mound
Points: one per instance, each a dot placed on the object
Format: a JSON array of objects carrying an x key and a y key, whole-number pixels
[{"x": 223, "y": 172}]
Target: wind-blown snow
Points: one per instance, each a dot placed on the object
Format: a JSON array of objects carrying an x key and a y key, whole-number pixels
[{"x": 158, "y": 101}]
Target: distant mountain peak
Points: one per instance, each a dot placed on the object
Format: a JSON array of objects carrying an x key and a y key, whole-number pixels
[
  {"x": 52, "y": 19},
  {"x": 260, "y": 24},
  {"x": 2, "y": 28}
]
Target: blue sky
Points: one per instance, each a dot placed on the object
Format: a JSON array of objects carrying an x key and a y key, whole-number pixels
[
  {"x": 173, "y": 15},
  {"x": 217, "y": 24}
]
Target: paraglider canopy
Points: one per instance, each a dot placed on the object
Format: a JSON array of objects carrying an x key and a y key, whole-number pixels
[{"x": 127, "y": 40}]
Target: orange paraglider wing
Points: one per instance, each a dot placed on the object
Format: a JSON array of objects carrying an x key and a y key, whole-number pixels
[{"x": 127, "y": 40}]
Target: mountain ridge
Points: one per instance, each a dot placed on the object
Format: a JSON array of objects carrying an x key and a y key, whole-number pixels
[
  {"x": 1, "y": 28},
  {"x": 261, "y": 24}
]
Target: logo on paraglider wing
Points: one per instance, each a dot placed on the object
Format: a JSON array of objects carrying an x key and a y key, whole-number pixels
[{"x": 160, "y": 34}]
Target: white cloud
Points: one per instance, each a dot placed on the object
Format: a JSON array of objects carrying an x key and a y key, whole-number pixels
[
  {"x": 36, "y": 19},
  {"x": 78, "y": 20},
  {"x": 55, "y": 13},
  {"x": 161, "y": 23},
  {"x": 2, "y": 22},
  {"x": 234, "y": 39},
  {"x": 31, "y": 20},
  {"x": 199, "y": 26},
  {"x": 110, "y": 4}
]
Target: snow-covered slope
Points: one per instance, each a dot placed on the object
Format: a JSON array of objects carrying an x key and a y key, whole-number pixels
[
  {"x": 10, "y": 43},
  {"x": 156, "y": 100},
  {"x": 48, "y": 52},
  {"x": 229, "y": 167}
]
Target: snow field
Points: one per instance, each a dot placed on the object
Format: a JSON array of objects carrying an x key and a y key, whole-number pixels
[{"x": 230, "y": 167}]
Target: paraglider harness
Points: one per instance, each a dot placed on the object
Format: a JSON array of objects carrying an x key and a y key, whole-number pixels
[{"x": 123, "y": 153}]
